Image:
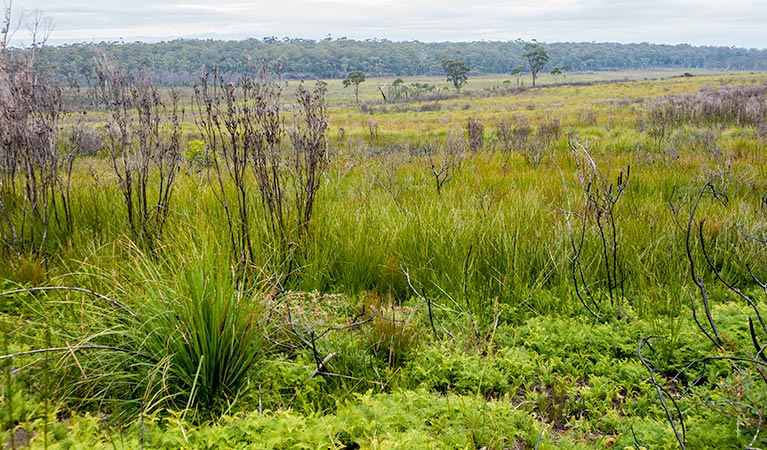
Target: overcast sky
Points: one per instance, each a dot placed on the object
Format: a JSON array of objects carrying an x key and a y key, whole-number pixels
[{"x": 740, "y": 23}]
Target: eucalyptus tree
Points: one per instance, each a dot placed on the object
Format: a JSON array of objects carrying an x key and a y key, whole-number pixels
[
  {"x": 516, "y": 71},
  {"x": 354, "y": 79},
  {"x": 560, "y": 70},
  {"x": 536, "y": 57},
  {"x": 456, "y": 72}
]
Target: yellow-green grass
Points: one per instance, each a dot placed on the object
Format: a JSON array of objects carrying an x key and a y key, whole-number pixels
[
  {"x": 496, "y": 203},
  {"x": 615, "y": 102},
  {"x": 491, "y": 253}
]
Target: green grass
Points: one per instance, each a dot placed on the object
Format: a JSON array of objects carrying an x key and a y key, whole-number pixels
[{"x": 486, "y": 345}]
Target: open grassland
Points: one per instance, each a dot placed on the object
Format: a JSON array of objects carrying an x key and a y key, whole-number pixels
[{"x": 571, "y": 266}]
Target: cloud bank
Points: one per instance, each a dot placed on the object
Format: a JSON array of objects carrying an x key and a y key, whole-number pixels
[{"x": 738, "y": 23}]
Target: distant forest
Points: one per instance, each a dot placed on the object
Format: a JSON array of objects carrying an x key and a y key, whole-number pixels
[{"x": 182, "y": 61}]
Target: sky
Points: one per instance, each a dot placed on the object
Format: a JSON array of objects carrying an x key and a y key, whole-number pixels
[{"x": 731, "y": 23}]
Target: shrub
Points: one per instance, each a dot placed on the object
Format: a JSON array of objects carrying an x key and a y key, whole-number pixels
[
  {"x": 392, "y": 335},
  {"x": 198, "y": 154},
  {"x": 476, "y": 134},
  {"x": 85, "y": 141}
]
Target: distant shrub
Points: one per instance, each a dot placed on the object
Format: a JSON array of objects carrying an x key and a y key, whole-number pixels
[
  {"x": 702, "y": 142},
  {"x": 746, "y": 105},
  {"x": 198, "y": 154},
  {"x": 549, "y": 131},
  {"x": 84, "y": 141},
  {"x": 430, "y": 107},
  {"x": 587, "y": 117},
  {"x": 761, "y": 130},
  {"x": 476, "y": 134}
]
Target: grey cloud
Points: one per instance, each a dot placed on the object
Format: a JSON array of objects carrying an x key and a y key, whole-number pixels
[{"x": 737, "y": 22}]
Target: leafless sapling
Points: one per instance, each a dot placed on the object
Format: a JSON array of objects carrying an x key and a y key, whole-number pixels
[
  {"x": 143, "y": 136},
  {"x": 243, "y": 123},
  {"x": 309, "y": 150},
  {"x": 445, "y": 161},
  {"x": 599, "y": 210},
  {"x": 30, "y": 110}
]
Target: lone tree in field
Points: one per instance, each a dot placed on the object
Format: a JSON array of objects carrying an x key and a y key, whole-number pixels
[
  {"x": 560, "y": 70},
  {"x": 536, "y": 57},
  {"x": 456, "y": 72},
  {"x": 516, "y": 71},
  {"x": 354, "y": 79}
]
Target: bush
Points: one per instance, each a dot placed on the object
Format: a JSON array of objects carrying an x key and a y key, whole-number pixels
[
  {"x": 84, "y": 141},
  {"x": 476, "y": 134},
  {"x": 198, "y": 154}
]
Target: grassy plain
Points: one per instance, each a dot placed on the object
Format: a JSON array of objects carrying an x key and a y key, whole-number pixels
[{"x": 422, "y": 318}]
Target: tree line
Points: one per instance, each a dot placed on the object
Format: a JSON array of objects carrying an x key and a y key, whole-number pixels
[{"x": 181, "y": 61}]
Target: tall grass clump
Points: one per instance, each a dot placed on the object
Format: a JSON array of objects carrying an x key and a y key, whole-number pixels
[{"x": 174, "y": 336}]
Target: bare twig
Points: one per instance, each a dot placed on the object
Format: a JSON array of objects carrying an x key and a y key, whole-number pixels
[
  {"x": 321, "y": 365},
  {"x": 74, "y": 289},
  {"x": 72, "y": 348},
  {"x": 716, "y": 338},
  {"x": 539, "y": 440},
  {"x": 662, "y": 394},
  {"x": 428, "y": 302}
]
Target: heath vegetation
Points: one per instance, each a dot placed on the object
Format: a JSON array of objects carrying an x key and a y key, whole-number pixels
[{"x": 258, "y": 262}]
